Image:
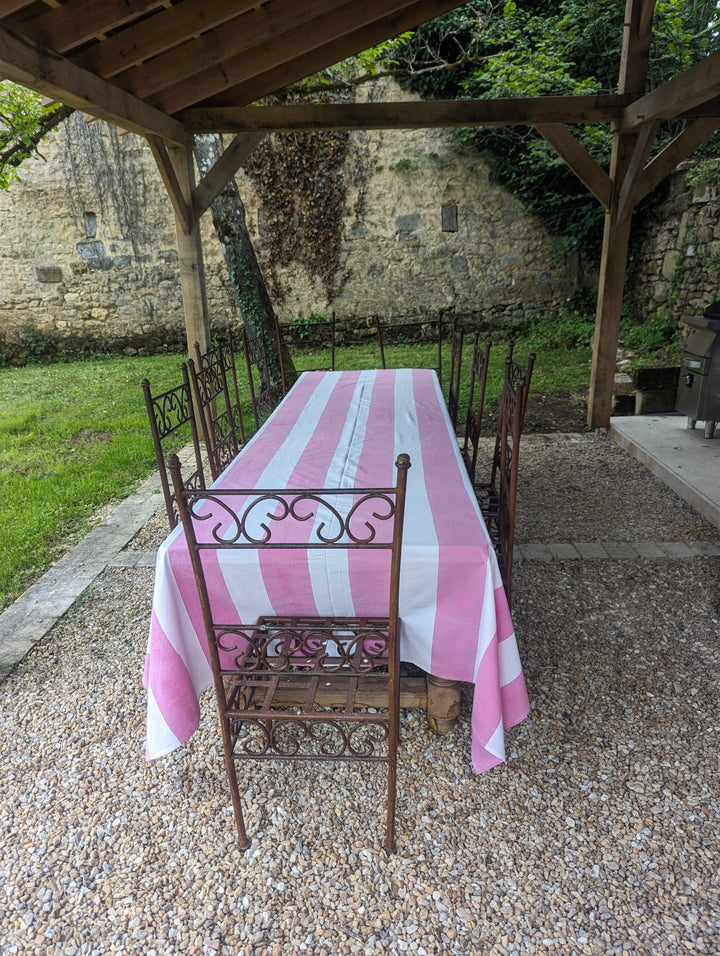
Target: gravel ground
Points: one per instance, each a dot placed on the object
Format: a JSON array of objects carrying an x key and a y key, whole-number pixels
[{"x": 599, "y": 835}]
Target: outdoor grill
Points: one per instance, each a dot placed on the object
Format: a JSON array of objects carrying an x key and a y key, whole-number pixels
[{"x": 698, "y": 394}]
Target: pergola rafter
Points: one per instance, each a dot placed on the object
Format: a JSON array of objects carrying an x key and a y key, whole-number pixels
[{"x": 170, "y": 69}]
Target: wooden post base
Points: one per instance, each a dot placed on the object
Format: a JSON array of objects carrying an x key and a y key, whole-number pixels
[{"x": 443, "y": 703}]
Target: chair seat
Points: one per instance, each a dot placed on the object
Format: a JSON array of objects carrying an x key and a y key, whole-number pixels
[{"x": 304, "y": 689}]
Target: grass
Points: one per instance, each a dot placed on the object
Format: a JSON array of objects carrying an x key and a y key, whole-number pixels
[{"x": 75, "y": 436}]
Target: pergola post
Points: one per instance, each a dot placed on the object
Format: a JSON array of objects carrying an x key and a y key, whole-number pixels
[
  {"x": 190, "y": 257},
  {"x": 613, "y": 266},
  {"x": 637, "y": 33}
]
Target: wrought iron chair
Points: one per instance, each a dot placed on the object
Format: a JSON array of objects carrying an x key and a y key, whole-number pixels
[
  {"x": 455, "y": 372},
  {"x": 288, "y": 687},
  {"x": 169, "y": 412},
  {"x": 227, "y": 356},
  {"x": 218, "y": 416},
  {"x": 226, "y": 353},
  {"x": 322, "y": 327},
  {"x": 419, "y": 331},
  {"x": 497, "y": 498},
  {"x": 258, "y": 365},
  {"x": 476, "y": 403}
]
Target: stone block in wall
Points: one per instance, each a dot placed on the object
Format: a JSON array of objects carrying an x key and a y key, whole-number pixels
[
  {"x": 669, "y": 264},
  {"x": 49, "y": 274}
]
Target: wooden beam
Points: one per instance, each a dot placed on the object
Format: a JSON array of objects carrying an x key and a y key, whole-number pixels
[
  {"x": 183, "y": 208},
  {"x": 585, "y": 167},
  {"x": 73, "y": 24},
  {"x": 164, "y": 31},
  {"x": 522, "y": 111},
  {"x": 46, "y": 72},
  {"x": 635, "y": 52},
  {"x": 8, "y": 7},
  {"x": 348, "y": 29},
  {"x": 675, "y": 152},
  {"x": 222, "y": 172},
  {"x": 643, "y": 145},
  {"x": 689, "y": 90},
  {"x": 190, "y": 258},
  {"x": 647, "y": 11}
]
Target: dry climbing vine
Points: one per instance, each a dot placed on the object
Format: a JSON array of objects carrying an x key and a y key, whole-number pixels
[{"x": 302, "y": 186}]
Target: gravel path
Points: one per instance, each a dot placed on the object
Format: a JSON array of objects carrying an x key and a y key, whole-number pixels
[{"x": 599, "y": 835}]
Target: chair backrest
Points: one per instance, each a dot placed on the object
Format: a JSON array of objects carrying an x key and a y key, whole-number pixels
[
  {"x": 476, "y": 403},
  {"x": 417, "y": 331},
  {"x": 455, "y": 373},
  {"x": 226, "y": 350},
  {"x": 222, "y": 358},
  {"x": 217, "y": 415},
  {"x": 258, "y": 367},
  {"x": 169, "y": 412},
  {"x": 513, "y": 406},
  {"x": 316, "y": 331},
  {"x": 233, "y": 519}
]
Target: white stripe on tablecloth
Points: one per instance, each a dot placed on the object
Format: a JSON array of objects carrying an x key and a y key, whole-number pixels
[
  {"x": 164, "y": 740},
  {"x": 329, "y": 573},
  {"x": 419, "y": 565},
  {"x": 496, "y": 744},
  {"x": 509, "y": 666},
  {"x": 487, "y": 630}
]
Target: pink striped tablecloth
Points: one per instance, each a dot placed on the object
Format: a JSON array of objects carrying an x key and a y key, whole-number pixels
[{"x": 345, "y": 429}]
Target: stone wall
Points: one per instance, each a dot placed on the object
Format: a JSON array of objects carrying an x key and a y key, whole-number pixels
[
  {"x": 676, "y": 266},
  {"x": 89, "y": 260}
]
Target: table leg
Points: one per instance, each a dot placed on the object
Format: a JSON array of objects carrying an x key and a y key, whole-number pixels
[{"x": 443, "y": 703}]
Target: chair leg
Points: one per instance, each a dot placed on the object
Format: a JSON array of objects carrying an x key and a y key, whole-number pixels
[
  {"x": 389, "y": 843},
  {"x": 234, "y": 789}
]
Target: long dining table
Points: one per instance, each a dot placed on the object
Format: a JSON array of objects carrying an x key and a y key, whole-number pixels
[{"x": 345, "y": 429}]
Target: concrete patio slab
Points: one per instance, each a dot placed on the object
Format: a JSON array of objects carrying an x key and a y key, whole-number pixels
[{"x": 682, "y": 458}]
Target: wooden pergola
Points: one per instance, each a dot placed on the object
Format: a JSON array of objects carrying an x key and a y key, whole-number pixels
[{"x": 168, "y": 69}]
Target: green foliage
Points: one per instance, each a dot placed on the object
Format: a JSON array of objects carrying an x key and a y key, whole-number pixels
[
  {"x": 652, "y": 334},
  {"x": 35, "y": 343},
  {"x": 704, "y": 175},
  {"x": 569, "y": 328},
  {"x": 23, "y": 123},
  {"x": 404, "y": 165},
  {"x": 302, "y": 327},
  {"x": 540, "y": 48}
]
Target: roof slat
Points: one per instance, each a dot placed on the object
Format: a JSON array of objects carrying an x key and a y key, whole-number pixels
[
  {"x": 245, "y": 84},
  {"x": 328, "y": 39},
  {"x": 156, "y": 34},
  {"x": 256, "y": 28},
  {"x": 67, "y": 27}
]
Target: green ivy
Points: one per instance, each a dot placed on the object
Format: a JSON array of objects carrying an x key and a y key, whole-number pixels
[{"x": 542, "y": 48}]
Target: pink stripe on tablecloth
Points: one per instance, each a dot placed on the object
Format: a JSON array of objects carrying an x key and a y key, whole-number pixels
[
  {"x": 286, "y": 575},
  {"x": 462, "y": 548},
  {"x": 247, "y": 469},
  {"x": 172, "y": 686}
]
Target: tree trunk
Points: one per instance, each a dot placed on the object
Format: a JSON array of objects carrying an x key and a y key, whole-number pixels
[{"x": 228, "y": 214}]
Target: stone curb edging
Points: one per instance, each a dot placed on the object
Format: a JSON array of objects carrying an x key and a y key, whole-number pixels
[
  {"x": 614, "y": 550},
  {"x": 32, "y": 615}
]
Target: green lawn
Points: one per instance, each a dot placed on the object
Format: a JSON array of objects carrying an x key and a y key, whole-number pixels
[{"x": 75, "y": 436}]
